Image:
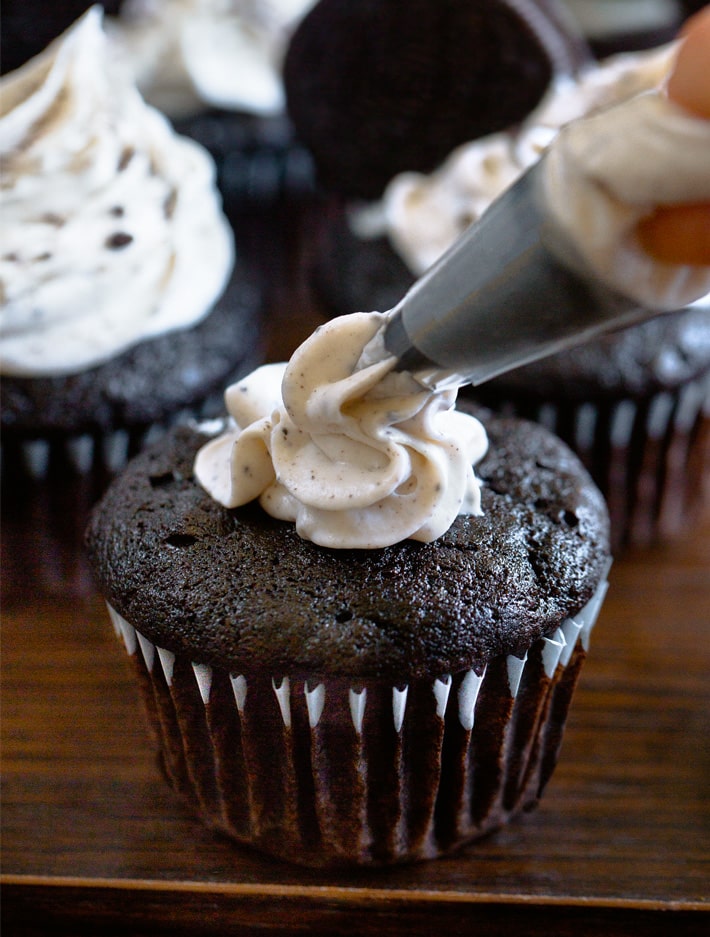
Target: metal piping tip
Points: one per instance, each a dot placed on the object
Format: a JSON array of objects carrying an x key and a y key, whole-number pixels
[{"x": 509, "y": 291}]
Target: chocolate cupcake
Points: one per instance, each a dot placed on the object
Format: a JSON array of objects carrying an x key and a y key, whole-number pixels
[
  {"x": 354, "y": 703},
  {"x": 379, "y": 87},
  {"x": 123, "y": 304},
  {"x": 633, "y": 405}
]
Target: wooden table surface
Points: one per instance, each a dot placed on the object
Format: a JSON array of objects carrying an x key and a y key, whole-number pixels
[{"x": 93, "y": 841}]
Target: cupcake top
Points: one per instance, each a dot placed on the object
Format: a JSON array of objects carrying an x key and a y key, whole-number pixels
[
  {"x": 380, "y": 86},
  {"x": 190, "y": 54},
  {"x": 458, "y": 568},
  {"x": 596, "y": 193},
  {"x": 112, "y": 227},
  {"x": 238, "y": 589}
]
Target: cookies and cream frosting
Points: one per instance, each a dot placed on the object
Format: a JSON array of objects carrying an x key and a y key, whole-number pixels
[
  {"x": 601, "y": 177},
  {"x": 356, "y": 458},
  {"x": 112, "y": 230},
  {"x": 188, "y": 54}
]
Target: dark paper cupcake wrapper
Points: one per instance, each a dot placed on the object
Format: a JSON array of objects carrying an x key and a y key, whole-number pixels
[
  {"x": 258, "y": 160},
  {"x": 49, "y": 486},
  {"x": 101, "y": 452},
  {"x": 650, "y": 458},
  {"x": 328, "y": 771}
]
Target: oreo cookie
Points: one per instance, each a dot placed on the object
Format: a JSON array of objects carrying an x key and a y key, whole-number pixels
[{"x": 379, "y": 87}]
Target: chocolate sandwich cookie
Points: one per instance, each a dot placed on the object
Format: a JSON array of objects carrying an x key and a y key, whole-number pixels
[{"x": 378, "y": 87}]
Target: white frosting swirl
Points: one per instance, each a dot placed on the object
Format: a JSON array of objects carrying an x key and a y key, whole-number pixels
[
  {"x": 357, "y": 458},
  {"x": 602, "y": 176},
  {"x": 186, "y": 54},
  {"x": 112, "y": 230}
]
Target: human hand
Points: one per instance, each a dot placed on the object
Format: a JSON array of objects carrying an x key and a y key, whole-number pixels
[{"x": 681, "y": 233}]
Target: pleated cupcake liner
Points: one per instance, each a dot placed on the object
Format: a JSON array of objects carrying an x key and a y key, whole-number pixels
[
  {"x": 102, "y": 451},
  {"x": 50, "y": 484},
  {"x": 650, "y": 458},
  {"x": 258, "y": 161},
  {"x": 329, "y": 771},
  {"x": 265, "y": 176}
]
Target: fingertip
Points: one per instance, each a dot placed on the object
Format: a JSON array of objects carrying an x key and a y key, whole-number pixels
[
  {"x": 689, "y": 82},
  {"x": 678, "y": 234}
]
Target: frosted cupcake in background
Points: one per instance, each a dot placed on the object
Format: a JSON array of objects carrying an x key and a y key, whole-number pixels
[
  {"x": 633, "y": 405},
  {"x": 122, "y": 302},
  {"x": 211, "y": 66},
  {"x": 374, "y": 663},
  {"x": 214, "y": 68}
]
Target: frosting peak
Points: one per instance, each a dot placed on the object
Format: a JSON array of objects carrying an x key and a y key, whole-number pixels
[{"x": 356, "y": 458}]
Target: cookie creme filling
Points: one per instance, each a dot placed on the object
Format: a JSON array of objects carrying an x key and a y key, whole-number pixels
[
  {"x": 603, "y": 174},
  {"x": 356, "y": 458},
  {"x": 112, "y": 230},
  {"x": 188, "y": 54}
]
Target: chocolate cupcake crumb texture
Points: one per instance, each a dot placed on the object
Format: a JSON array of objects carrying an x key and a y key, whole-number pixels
[{"x": 236, "y": 589}]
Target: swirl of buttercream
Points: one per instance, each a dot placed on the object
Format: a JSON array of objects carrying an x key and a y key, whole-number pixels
[
  {"x": 112, "y": 226},
  {"x": 356, "y": 458}
]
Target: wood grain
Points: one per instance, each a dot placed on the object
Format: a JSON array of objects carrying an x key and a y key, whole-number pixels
[{"x": 93, "y": 841}]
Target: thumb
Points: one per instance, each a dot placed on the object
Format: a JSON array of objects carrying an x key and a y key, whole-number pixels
[{"x": 681, "y": 233}]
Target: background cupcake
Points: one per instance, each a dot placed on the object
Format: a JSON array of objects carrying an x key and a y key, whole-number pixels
[
  {"x": 212, "y": 67},
  {"x": 123, "y": 304},
  {"x": 338, "y": 705},
  {"x": 634, "y": 404}
]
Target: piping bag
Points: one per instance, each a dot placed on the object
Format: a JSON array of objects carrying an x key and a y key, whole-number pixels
[
  {"x": 510, "y": 290},
  {"x": 514, "y": 288}
]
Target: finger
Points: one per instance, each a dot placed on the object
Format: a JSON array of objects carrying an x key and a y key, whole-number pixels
[
  {"x": 689, "y": 83},
  {"x": 677, "y": 235},
  {"x": 681, "y": 233}
]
